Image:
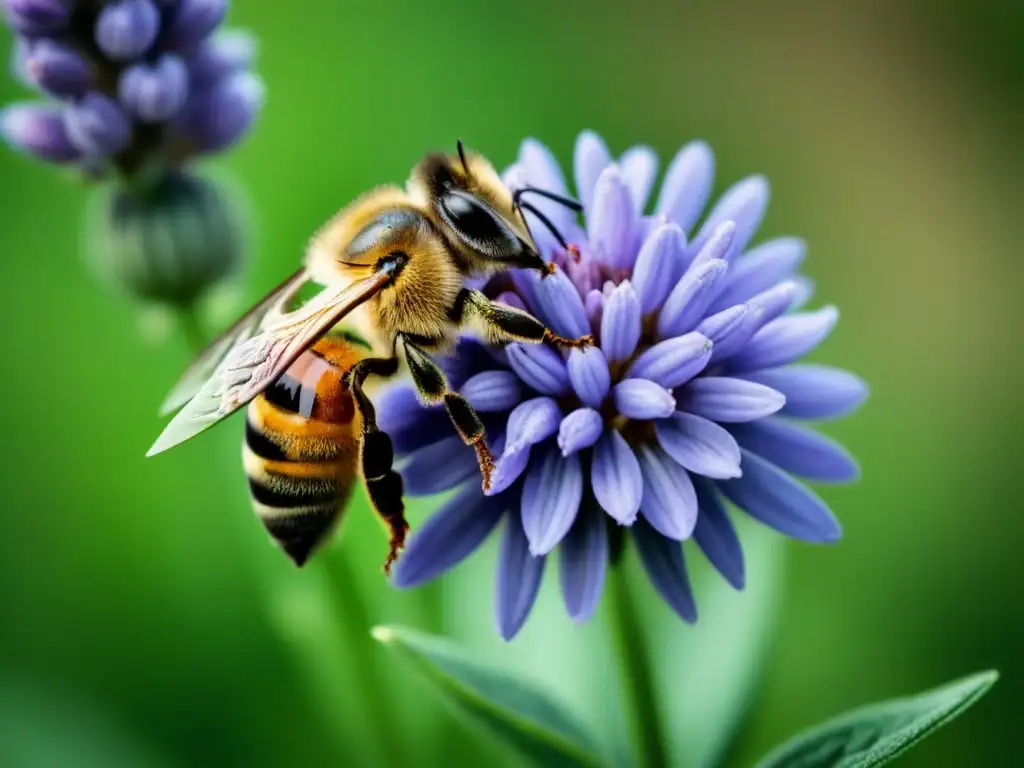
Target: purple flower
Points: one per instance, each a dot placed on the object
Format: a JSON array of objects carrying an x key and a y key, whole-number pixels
[{"x": 692, "y": 396}]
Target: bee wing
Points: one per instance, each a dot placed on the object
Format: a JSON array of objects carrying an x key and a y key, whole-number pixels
[
  {"x": 257, "y": 351},
  {"x": 205, "y": 364}
]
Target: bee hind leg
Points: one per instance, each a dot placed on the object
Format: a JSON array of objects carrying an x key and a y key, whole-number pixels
[
  {"x": 432, "y": 385},
  {"x": 383, "y": 484},
  {"x": 500, "y": 323}
]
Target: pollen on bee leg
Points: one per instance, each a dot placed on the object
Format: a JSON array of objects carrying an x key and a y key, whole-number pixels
[
  {"x": 485, "y": 459},
  {"x": 397, "y": 543},
  {"x": 549, "y": 269},
  {"x": 574, "y": 252},
  {"x": 561, "y": 341}
]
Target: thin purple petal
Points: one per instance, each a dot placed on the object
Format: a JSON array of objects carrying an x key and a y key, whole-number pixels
[
  {"x": 720, "y": 326},
  {"x": 716, "y": 536},
  {"x": 663, "y": 560},
  {"x": 579, "y": 430},
  {"x": 611, "y": 226},
  {"x": 620, "y": 323},
  {"x": 540, "y": 368},
  {"x": 699, "y": 445},
  {"x": 493, "y": 391},
  {"x": 97, "y": 125},
  {"x": 437, "y": 467},
  {"x": 674, "y": 362},
  {"x": 798, "y": 450},
  {"x": 591, "y": 156},
  {"x": 447, "y": 537},
  {"x": 729, "y": 400},
  {"x": 761, "y": 268},
  {"x": 687, "y": 303},
  {"x": 744, "y": 203},
  {"x": 616, "y": 478},
  {"x": 814, "y": 391},
  {"x": 532, "y": 422},
  {"x": 687, "y": 185},
  {"x": 594, "y": 305},
  {"x": 517, "y": 581},
  {"x": 38, "y": 130},
  {"x": 507, "y": 469},
  {"x": 659, "y": 266},
  {"x": 773, "y": 497},
  {"x": 642, "y": 399},
  {"x": 584, "y": 562},
  {"x": 639, "y": 167},
  {"x": 785, "y": 339},
  {"x": 559, "y": 303},
  {"x": 669, "y": 501},
  {"x": 551, "y": 498},
  {"x": 588, "y": 372}
]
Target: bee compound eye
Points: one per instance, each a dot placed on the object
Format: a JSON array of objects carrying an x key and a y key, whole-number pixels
[{"x": 476, "y": 223}]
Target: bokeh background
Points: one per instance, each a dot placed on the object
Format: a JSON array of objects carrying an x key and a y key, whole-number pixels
[{"x": 145, "y": 619}]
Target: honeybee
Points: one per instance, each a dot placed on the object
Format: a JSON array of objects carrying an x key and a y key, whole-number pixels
[{"x": 393, "y": 265}]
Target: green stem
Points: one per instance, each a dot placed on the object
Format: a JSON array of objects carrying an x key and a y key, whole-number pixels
[
  {"x": 637, "y": 680},
  {"x": 188, "y": 320}
]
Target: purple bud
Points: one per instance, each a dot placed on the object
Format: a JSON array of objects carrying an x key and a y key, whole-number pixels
[
  {"x": 98, "y": 126},
  {"x": 216, "y": 118},
  {"x": 58, "y": 68},
  {"x": 154, "y": 93},
  {"x": 38, "y": 129},
  {"x": 673, "y": 362},
  {"x": 20, "y": 52},
  {"x": 620, "y": 323},
  {"x": 579, "y": 430},
  {"x": 38, "y": 17},
  {"x": 612, "y": 223},
  {"x": 559, "y": 302},
  {"x": 589, "y": 375},
  {"x": 191, "y": 22},
  {"x": 226, "y": 53},
  {"x": 643, "y": 400},
  {"x": 659, "y": 266},
  {"x": 126, "y": 29}
]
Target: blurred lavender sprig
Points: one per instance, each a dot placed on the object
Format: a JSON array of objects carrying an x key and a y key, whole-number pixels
[{"x": 135, "y": 91}]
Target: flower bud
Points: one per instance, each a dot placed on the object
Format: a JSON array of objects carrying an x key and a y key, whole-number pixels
[
  {"x": 97, "y": 125},
  {"x": 38, "y": 130},
  {"x": 37, "y": 17},
  {"x": 154, "y": 93},
  {"x": 216, "y": 118},
  {"x": 225, "y": 54},
  {"x": 168, "y": 244},
  {"x": 126, "y": 29},
  {"x": 191, "y": 22},
  {"x": 57, "y": 68}
]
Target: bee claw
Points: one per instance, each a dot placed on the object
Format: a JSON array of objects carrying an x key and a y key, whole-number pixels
[
  {"x": 549, "y": 269},
  {"x": 560, "y": 341},
  {"x": 574, "y": 252},
  {"x": 486, "y": 461}
]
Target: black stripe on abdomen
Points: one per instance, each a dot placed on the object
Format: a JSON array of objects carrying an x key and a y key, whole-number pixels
[
  {"x": 261, "y": 445},
  {"x": 291, "y": 493},
  {"x": 300, "y": 533}
]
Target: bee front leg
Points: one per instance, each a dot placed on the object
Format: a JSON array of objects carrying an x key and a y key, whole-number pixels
[
  {"x": 377, "y": 454},
  {"x": 500, "y": 323},
  {"x": 432, "y": 385}
]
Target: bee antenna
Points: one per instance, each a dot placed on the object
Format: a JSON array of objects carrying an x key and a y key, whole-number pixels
[
  {"x": 462, "y": 156},
  {"x": 566, "y": 201},
  {"x": 543, "y": 220}
]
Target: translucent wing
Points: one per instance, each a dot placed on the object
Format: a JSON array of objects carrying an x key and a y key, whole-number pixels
[
  {"x": 203, "y": 367},
  {"x": 256, "y": 351}
]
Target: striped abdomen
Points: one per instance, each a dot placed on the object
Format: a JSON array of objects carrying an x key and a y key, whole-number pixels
[{"x": 301, "y": 448}]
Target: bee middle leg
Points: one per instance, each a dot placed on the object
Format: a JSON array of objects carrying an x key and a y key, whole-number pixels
[
  {"x": 501, "y": 323},
  {"x": 433, "y": 387},
  {"x": 377, "y": 454}
]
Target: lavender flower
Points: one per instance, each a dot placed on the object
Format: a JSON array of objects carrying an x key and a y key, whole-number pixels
[
  {"x": 693, "y": 396},
  {"x": 138, "y": 89}
]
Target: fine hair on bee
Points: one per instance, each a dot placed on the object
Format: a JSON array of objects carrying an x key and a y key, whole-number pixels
[{"x": 394, "y": 265}]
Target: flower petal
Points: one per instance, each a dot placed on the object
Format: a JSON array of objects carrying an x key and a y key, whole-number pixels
[
  {"x": 663, "y": 560},
  {"x": 594, "y": 305},
  {"x": 579, "y": 430},
  {"x": 744, "y": 203},
  {"x": 507, "y": 469},
  {"x": 588, "y": 372},
  {"x": 798, "y": 450},
  {"x": 97, "y": 125},
  {"x": 639, "y": 167},
  {"x": 669, "y": 501},
  {"x": 616, "y": 478},
  {"x": 804, "y": 291},
  {"x": 517, "y": 581},
  {"x": 761, "y": 309},
  {"x": 643, "y": 399},
  {"x": 551, "y": 498},
  {"x": 699, "y": 445},
  {"x": 723, "y": 324},
  {"x": 759, "y": 269},
  {"x": 659, "y": 266},
  {"x": 729, "y": 400},
  {"x": 785, "y": 339},
  {"x": 540, "y": 368},
  {"x": 492, "y": 391},
  {"x": 532, "y": 422},
  {"x": 38, "y": 130},
  {"x": 221, "y": 116},
  {"x": 687, "y": 185},
  {"x": 438, "y": 467},
  {"x": 620, "y": 323},
  {"x": 687, "y": 302},
  {"x": 584, "y": 562},
  {"x": 814, "y": 391},
  {"x": 768, "y": 494},
  {"x": 125, "y": 29},
  {"x": 447, "y": 537},
  {"x": 154, "y": 92},
  {"x": 611, "y": 227},
  {"x": 672, "y": 363},
  {"x": 591, "y": 156},
  {"x": 58, "y": 68},
  {"x": 716, "y": 536},
  {"x": 559, "y": 303}
]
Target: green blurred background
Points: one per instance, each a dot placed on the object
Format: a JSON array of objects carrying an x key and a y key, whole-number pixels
[{"x": 145, "y": 619}]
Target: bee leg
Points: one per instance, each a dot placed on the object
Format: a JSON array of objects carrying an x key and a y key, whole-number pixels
[
  {"x": 501, "y": 323},
  {"x": 432, "y": 385},
  {"x": 383, "y": 484}
]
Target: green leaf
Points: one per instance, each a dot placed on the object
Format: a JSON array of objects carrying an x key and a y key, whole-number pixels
[
  {"x": 518, "y": 711},
  {"x": 879, "y": 733}
]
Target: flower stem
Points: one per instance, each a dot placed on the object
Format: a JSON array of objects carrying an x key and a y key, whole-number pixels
[
  {"x": 636, "y": 678},
  {"x": 191, "y": 328}
]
